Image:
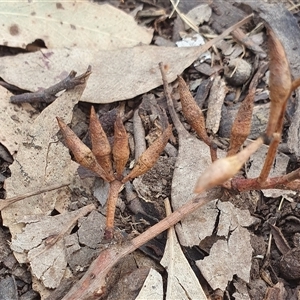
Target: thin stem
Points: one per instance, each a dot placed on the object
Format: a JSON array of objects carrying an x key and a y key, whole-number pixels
[
  {"x": 269, "y": 159},
  {"x": 114, "y": 189}
]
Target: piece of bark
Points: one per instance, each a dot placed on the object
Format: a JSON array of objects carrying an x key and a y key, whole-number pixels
[{"x": 215, "y": 101}]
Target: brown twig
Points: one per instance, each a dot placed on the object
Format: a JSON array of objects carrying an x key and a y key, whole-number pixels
[
  {"x": 289, "y": 181},
  {"x": 265, "y": 171},
  {"x": 49, "y": 95},
  {"x": 114, "y": 189},
  {"x": 92, "y": 284},
  {"x": 6, "y": 202}
]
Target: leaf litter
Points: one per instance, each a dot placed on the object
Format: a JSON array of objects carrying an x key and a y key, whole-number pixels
[
  {"x": 230, "y": 232},
  {"x": 70, "y": 24}
]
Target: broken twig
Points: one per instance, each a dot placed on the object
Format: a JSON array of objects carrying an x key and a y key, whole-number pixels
[{"x": 49, "y": 95}]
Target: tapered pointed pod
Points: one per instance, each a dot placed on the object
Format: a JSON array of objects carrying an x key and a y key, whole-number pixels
[
  {"x": 280, "y": 84},
  {"x": 148, "y": 158},
  {"x": 241, "y": 126},
  {"x": 100, "y": 144},
  {"x": 192, "y": 111},
  {"x": 224, "y": 168},
  {"x": 121, "y": 150},
  {"x": 83, "y": 155}
]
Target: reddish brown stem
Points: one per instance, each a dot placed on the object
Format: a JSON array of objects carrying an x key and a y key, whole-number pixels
[
  {"x": 285, "y": 182},
  {"x": 92, "y": 284},
  {"x": 114, "y": 190},
  {"x": 269, "y": 158}
]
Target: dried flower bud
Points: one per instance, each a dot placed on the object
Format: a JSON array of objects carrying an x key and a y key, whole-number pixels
[
  {"x": 280, "y": 83},
  {"x": 225, "y": 168},
  {"x": 121, "y": 148},
  {"x": 100, "y": 144},
  {"x": 192, "y": 111},
  {"x": 147, "y": 160},
  {"x": 83, "y": 155}
]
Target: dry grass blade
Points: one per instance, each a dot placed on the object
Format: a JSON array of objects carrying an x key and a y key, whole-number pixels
[
  {"x": 280, "y": 84},
  {"x": 147, "y": 160},
  {"x": 100, "y": 144},
  {"x": 83, "y": 155},
  {"x": 6, "y": 202},
  {"x": 225, "y": 168},
  {"x": 120, "y": 148},
  {"x": 242, "y": 123}
]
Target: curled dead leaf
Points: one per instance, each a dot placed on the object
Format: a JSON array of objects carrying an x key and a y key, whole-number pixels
[
  {"x": 147, "y": 160},
  {"x": 100, "y": 144},
  {"x": 83, "y": 155},
  {"x": 121, "y": 150}
]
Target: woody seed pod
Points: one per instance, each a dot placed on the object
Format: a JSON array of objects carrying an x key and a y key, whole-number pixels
[
  {"x": 192, "y": 111},
  {"x": 147, "y": 160},
  {"x": 121, "y": 150},
  {"x": 83, "y": 155},
  {"x": 100, "y": 144}
]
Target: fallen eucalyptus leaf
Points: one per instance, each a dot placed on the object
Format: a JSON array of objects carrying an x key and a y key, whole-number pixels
[
  {"x": 44, "y": 241},
  {"x": 182, "y": 281},
  {"x": 14, "y": 121},
  {"x": 228, "y": 258},
  {"x": 41, "y": 161},
  {"x": 132, "y": 70},
  {"x": 82, "y": 24},
  {"x": 152, "y": 287}
]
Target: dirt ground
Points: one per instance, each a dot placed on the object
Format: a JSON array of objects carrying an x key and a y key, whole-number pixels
[{"x": 253, "y": 236}]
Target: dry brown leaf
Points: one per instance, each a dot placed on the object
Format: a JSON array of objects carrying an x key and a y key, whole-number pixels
[
  {"x": 117, "y": 75},
  {"x": 14, "y": 121},
  {"x": 228, "y": 258},
  {"x": 232, "y": 256},
  {"x": 152, "y": 287},
  {"x": 182, "y": 281},
  {"x": 43, "y": 240},
  {"x": 41, "y": 161},
  {"x": 80, "y": 24}
]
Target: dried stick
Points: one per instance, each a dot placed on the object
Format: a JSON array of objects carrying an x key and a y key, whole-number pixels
[
  {"x": 289, "y": 181},
  {"x": 139, "y": 135},
  {"x": 6, "y": 202},
  {"x": 49, "y": 95},
  {"x": 92, "y": 284},
  {"x": 239, "y": 35},
  {"x": 269, "y": 158}
]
